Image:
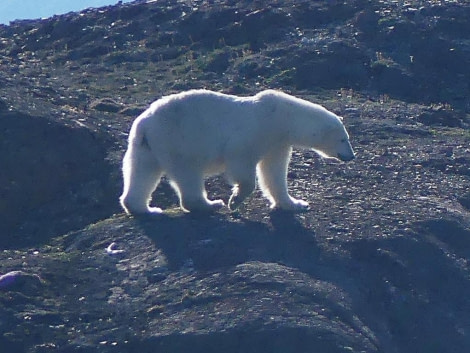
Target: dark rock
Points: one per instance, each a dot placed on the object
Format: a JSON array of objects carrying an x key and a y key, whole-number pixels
[
  {"x": 393, "y": 80},
  {"x": 131, "y": 111},
  {"x": 20, "y": 281},
  {"x": 3, "y": 106},
  {"x": 106, "y": 105},
  {"x": 328, "y": 69},
  {"x": 465, "y": 201},
  {"x": 219, "y": 62},
  {"x": 367, "y": 21},
  {"x": 441, "y": 116},
  {"x": 451, "y": 233}
]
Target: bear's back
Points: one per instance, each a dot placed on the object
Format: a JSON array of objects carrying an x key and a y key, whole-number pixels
[{"x": 201, "y": 108}]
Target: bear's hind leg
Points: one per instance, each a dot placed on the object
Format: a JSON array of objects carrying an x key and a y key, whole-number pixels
[
  {"x": 141, "y": 173},
  {"x": 192, "y": 193},
  {"x": 272, "y": 177}
]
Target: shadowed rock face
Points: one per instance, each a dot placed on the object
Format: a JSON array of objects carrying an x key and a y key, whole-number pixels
[
  {"x": 48, "y": 166},
  {"x": 378, "y": 264}
]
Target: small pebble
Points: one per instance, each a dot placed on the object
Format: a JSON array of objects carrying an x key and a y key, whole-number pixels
[
  {"x": 112, "y": 251},
  {"x": 13, "y": 278},
  {"x": 9, "y": 278}
]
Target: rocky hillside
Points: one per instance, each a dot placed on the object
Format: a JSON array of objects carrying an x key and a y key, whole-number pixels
[{"x": 379, "y": 264}]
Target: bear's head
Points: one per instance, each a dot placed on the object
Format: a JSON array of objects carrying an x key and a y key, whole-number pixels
[
  {"x": 308, "y": 125},
  {"x": 334, "y": 143}
]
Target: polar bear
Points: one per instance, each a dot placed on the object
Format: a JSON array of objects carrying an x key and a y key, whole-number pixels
[{"x": 194, "y": 134}]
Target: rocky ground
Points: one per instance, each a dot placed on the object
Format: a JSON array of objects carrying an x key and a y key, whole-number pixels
[{"x": 378, "y": 264}]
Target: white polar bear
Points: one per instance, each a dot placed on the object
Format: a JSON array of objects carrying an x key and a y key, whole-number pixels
[{"x": 194, "y": 134}]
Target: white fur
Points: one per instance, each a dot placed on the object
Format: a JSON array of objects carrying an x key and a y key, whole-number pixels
[{"x": 194, "y": 134}]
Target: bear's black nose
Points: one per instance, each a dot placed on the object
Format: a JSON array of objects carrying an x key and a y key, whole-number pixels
[{"x": 346, "y": 157}]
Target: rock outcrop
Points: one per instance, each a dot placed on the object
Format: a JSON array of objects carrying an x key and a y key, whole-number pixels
[{"x": 378, "y": 264}]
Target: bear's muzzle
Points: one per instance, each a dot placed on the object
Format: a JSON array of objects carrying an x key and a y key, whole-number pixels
[{"x": 346, "y": 157}]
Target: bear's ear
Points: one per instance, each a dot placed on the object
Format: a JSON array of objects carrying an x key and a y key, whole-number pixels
[{"x": 341, "y": 118}]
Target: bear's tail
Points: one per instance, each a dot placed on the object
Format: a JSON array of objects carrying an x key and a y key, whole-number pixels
[{"x": 137, "y": 137}]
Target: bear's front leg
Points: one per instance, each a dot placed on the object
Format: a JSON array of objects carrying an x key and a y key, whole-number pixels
[
  {"x": 291, "y": 204},
  {"x": 272, "y": 177}
]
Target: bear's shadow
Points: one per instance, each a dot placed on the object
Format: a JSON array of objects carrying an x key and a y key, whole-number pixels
[{"x": 220, "y": 240}]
